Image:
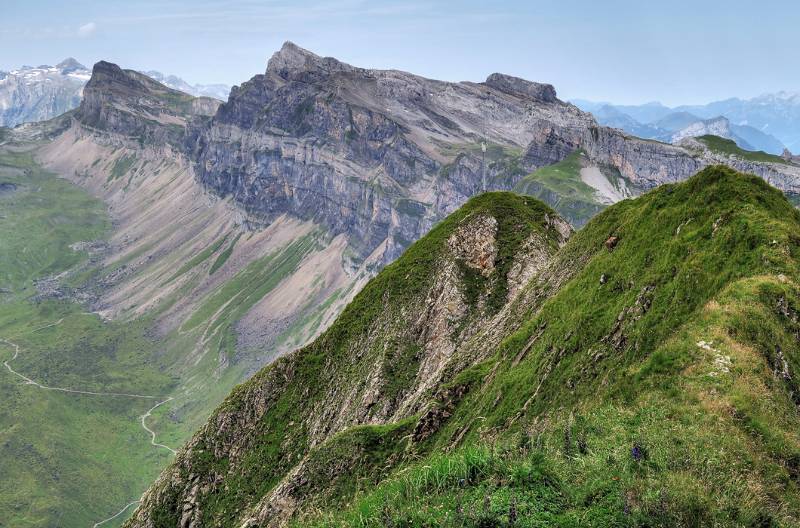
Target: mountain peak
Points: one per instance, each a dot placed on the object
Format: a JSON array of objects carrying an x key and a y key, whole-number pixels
[
  {"x": 509, "y": 84},
  {"x": 132, "y": 104},
  {"x": 291, "y": 59},
  {"x": 69, "y": 65},
  {"x": 108, "y": 73}
]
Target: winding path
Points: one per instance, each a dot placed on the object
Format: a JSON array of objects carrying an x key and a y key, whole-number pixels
[
  {"x": 146, "y": 415},
  {"x": 95, "y": 525},
  {"x": 143, "y": 418}
]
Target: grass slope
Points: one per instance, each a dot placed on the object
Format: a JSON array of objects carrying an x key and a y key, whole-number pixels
[
  {"x": 57, "y": 450},
  {"x": 74, "y": 459},
  {"x": 729, "y": 147},
  {"x": 561, "y": 187},
  {"x": 304, "y": 380},
  {"x": 662, "y": 395}
]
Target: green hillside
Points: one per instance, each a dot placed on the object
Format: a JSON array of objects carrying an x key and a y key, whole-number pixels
[
  {"x": 58, "y": 448},
  {"x": 664, "y": 396},
  {"x": 729, "y": 147},
  {"x": 560, "y": 186}
]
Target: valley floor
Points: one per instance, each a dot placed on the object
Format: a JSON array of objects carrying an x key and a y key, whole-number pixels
[{"x": 73, "y": 448}]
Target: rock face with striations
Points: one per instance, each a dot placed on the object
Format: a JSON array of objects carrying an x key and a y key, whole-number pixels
[
  {"x": 131, "y": 104},
  {"x": 378, "y": 155},
  {"x": 382, "y": 154}
]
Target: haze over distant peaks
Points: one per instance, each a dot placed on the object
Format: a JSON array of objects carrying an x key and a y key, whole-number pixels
[
  {"x": 768, "y": 122},
  {"x": 217, "y": 91}
]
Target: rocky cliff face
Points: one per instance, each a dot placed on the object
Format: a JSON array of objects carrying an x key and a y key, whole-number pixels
[
  {"x": 383, "y": 155},
  {"x": 131, "y": 105},
  {"x": 36, "y": 94}
]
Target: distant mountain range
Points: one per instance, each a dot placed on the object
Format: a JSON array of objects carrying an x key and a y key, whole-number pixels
[
  {"x": 769, "y": 122},
  {"x": 39, "y": 93},
  {"x": 217, "y": 91},
  {"x": 35, "y": 94}
]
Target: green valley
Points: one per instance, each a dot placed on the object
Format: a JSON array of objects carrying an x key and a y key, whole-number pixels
[{"x": 57, "y": 448}]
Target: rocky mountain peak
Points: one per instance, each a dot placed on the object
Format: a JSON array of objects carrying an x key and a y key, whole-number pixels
[
  {"x": 791, "y": 158},
  {"x": 717, "y": 126},
  {"x": 133, "y": 105},
  {"x": 544, "y": 93},
  {"x": 295, "y": 63},
  {"x": 107, "y": 76}
]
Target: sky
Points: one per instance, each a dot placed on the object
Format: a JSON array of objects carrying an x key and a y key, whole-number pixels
[{"x": 622, "y": 51}]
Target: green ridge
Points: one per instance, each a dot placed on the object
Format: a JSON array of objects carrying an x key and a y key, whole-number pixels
[
  {"x": 561, "y": 187},
  {"x": 640, "y": 435},
  {"x": 729, "y": 147},
  {"x": 654, "y": 385}
]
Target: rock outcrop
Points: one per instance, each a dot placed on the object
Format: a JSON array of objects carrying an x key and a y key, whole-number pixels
[
  {"x": 129, "y": 104},
  {"x": 791, "y": 158},
  {"x": 381, "y": 155}
]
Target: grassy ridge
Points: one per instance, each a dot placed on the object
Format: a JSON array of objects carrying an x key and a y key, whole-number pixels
[
  {"x": 729, "y": 147},
  {"x": 673, "y": 455},
  {"x": 561, "y": 187},
  {"x": 326, "y": 364},
  {"x": 630, "y": 416}
]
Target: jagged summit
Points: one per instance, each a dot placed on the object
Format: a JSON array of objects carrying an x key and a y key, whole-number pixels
[
  {"x": 545, "y": 93},
  {"x": 292, "y": 59},
  {"x": 109, "y": 76}
]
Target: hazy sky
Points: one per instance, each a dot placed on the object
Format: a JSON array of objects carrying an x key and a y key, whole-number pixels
[{"x": 624, "y": 51}]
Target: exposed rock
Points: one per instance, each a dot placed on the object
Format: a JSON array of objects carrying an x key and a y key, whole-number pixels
[
  {"x": 611, "y": 242},
  {"x": 132, "y": 105},
  {"x": 791, "y": 158},
  {"x": 379, "y": 155},
  {"x": 474, "y": 244},
  {"x": 544, "y": 93}
]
